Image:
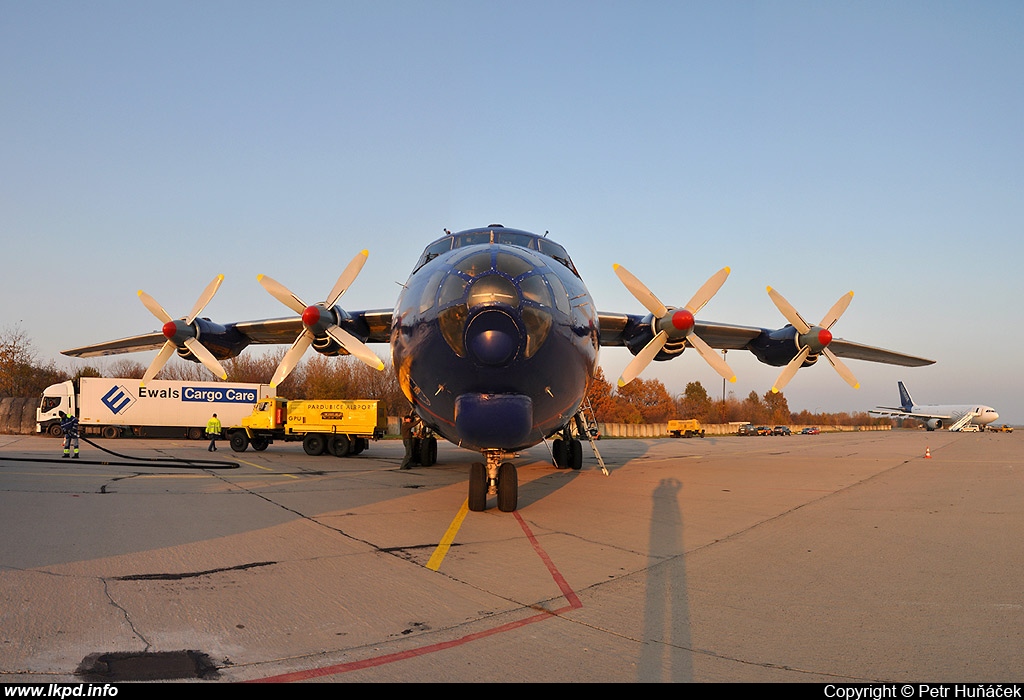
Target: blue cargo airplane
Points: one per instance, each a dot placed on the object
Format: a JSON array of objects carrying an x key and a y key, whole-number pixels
[{"x": 495, "y": 340}]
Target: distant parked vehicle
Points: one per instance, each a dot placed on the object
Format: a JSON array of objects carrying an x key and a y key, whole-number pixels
[
  {"x": 747, "y": 429},
  {"x": 810, "y": 431},
  {"x": 781, "y": 430},
  {"x": 685, "y": 428},
  {"x": 764, "y": 430}
]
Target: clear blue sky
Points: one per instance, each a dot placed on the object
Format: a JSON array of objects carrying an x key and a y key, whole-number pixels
[{"x": 817, "y": 147}]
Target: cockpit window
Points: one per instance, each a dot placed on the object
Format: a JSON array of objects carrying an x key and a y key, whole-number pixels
[
  {"x": 558, "y": 290},
  {"x": 492, "y": 289},
  {"x": 430, "y": 291},
  {"x": 433, "y": 250},
  {"x": 518, "y": 239},
  {"x": 451, "y": 290},
  {"x": 464, "y": 239},
  {"x": 527, "y": 241},
  {"x": 535, "y": 290},
  {"x": 553, "y": 250},
  {"x": 475, "y": 263},
  {"x": 513, "y": 265}
]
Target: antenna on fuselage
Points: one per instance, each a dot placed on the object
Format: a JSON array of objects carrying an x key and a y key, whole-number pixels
[{"x": 447, "y": 232}]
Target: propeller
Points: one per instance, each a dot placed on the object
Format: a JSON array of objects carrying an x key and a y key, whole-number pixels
[
  {"x": 812, "y": 338},
  {"x": 671, "y": 323},
  {"x": 319, "y": 320},
  {"x": 181, "y": 334}
]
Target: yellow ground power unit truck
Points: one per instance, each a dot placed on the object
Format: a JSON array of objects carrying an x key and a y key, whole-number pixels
[{"x": 336, "y": 426}]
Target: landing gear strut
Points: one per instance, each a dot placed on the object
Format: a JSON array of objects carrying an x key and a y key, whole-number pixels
[{"x": 496, "y": 478}]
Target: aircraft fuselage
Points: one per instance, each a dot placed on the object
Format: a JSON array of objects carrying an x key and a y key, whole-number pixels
[{"x": 495, "y": 338}]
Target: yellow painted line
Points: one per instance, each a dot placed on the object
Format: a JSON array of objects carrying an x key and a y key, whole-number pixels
[
  {"x": 266, "y": 469},
  {"x": 446, "y": 542}
]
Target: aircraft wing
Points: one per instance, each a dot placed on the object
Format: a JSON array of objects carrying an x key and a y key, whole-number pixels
[
  {"x": 374, "y": 325},
  {"x": 618, "y": 329},
  {"x": 857, "y": 351},
  {"x": 135, "y": 343}
]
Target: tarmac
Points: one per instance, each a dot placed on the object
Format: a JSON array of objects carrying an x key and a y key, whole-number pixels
[{"x": 832, "y": 558}]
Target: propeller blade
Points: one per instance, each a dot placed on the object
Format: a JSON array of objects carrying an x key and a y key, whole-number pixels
[
  {"x": 711, "y": 357},
  {"x": 789, "y": 312},
  {"x": 355, "y": 347},
  {"x": 837, "y": 310},
  {"x": 206, "y": 357},
  {"x": 204, "y": 299},
  {"x": 710, "y": 288},
  {"x": 643, "y": 358},
  {"x": 640, "y": 291},
  {"x": 841, "y": 368},
  {"x": 154, "y": 308},
  {"x": 282, "y": 294},
  {"x": 790, "y": 370},
  {"x": 159, "y": 361},
  {"x": 292, "y": 357},
  {"x": 348, "y": 275}
]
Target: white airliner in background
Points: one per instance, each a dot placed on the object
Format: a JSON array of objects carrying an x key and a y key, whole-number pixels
[{"x": 935, "y": 416}]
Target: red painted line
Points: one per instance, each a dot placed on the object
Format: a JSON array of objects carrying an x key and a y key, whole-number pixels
[
  {"x": 337, "y": 669},
  {"x": 563, "y": 585}
]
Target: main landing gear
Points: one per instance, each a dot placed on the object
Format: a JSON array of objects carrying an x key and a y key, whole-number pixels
[
  {"x": 496, "y": 478},
  {"x": 567, "y": 448}
]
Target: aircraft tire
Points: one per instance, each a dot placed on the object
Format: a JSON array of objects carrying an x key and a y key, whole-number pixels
[
  {"x": 508, "y": 487},
  {"x": 575, "y": 459},
  {"x": 428, "y": 451},
  {"x": 239, "y": 441},
  {"x": 314, "y": 444},
  {"x": 477, "y": 487},
  {"x": 559, "y": 450}
]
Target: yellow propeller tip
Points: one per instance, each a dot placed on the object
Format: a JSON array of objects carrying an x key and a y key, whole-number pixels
[
  {"x": 774, "y": 390},
  {"x": 259, "y": 277},
  {"x": 365, "y": 252},
  {"x": 616, "y": 266},
  {"x": 856, "y": 386},
  {"x": 732, "y": 379},
  {"x": 769, "y": 288},
  {"x": 621, "y": 383},
  {"x": 727, "y": 269}
]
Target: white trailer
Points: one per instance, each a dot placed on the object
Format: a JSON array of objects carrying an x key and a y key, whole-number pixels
[{"x": 112, "y": 407}]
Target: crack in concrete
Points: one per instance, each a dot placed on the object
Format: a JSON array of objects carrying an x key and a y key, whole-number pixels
[{"x": 191, "y": 574}]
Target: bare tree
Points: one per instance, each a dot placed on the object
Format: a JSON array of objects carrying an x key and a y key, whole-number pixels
[{"x": 20, "y": 374}]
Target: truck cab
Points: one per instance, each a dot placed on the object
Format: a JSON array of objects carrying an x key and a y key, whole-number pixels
[{"x": 268, "y": 414}]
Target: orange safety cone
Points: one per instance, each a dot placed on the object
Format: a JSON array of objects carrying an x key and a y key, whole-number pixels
[{"x": 927, "y": 453}]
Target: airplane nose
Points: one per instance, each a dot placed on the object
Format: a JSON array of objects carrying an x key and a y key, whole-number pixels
[{"x": 493, "y": 338}]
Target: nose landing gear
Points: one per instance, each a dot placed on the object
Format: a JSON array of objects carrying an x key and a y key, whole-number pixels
[{"x": 496, "y": 478}]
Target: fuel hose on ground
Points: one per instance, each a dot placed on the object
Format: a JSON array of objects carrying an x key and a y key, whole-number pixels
[{"x": 135, "y": 461}]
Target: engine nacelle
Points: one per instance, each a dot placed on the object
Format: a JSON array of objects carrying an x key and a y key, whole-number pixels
[{"x": 933, "y": 424}]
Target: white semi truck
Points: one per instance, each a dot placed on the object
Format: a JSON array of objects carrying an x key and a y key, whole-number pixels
[{"x": 112, "y": 407}]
